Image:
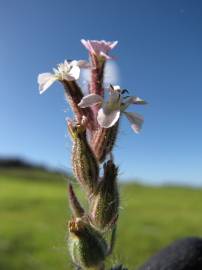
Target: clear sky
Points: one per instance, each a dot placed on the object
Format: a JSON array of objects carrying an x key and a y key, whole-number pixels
[{"x": 160, "y": 59}]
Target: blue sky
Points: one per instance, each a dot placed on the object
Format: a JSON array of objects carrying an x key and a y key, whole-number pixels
[{"x": 160, "y": 59}]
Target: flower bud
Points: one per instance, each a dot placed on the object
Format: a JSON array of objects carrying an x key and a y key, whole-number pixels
[
  {"x": 103, "y": 141},
  {"x": 76, "y": 208},
  {"x": 88, "y": 248},
  {"x": 104, "y": 204},
  {"x": 84, "y": 163}
]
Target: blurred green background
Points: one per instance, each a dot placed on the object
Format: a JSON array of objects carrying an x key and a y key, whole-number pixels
[{"x": 34, "y": 213}]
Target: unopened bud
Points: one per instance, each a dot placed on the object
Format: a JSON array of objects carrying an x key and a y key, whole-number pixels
[
  {"x": 85, "y": 166},
  {"x": 104, "y": 205},
  {"x": 88, "y": 248},
  {"x": 76, "y": 208},
  {"x": 103, "y": 141}
]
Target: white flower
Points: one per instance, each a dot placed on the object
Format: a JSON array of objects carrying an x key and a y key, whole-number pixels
[
  {"x": 112, "y": 109},
  {"x": 69, "y": 71}
]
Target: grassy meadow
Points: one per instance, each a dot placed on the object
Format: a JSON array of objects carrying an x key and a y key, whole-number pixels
[{"x": 34, "y": 214}]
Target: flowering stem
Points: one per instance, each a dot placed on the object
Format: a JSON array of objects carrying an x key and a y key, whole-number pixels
[{"x": 93, "y": 131}]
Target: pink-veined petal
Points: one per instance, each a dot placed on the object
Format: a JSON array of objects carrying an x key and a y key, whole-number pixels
[
  {"x": 107, "y": 120},
  {"x": 89, "y": 100},
  {"x": 136, "y": 121},
  {"x": 45, "y": 80}
]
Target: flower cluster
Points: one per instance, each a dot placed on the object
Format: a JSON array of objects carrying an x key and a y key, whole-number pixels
[
  {"x": 93, "y": 131},
  {"x": 109, "y": 110}
]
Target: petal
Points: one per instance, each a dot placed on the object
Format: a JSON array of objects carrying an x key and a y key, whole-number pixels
[
  {"x": 113, "y": 44},
  {"x": 106, "y": 56},
  {"x": 90, "y": 100},
  {"x": 73, "y": 74},
  {"x": 55, "y": 71},
  {"x": 136, "y": 120},
  {"x": 66, "y": 63},
  {"x": 45, "y": 80},
  {"x": 63, "y": 67},
  {"x": 116, "y": 87},
  {"x": 83, "y": 64},
  {"x": 85, "y": 43},
  {"x": 91, "y": 47},
  {"x": 88, "y": 45},
  {"x": 107, "y": 120},
  {"x": 135, "y": 100}
]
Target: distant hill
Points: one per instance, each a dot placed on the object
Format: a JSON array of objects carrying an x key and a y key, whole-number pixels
[
  {"x": 16, "y": 163},
  {"x": 7, "y": 163},
  {"x": 20, "y": 168}
]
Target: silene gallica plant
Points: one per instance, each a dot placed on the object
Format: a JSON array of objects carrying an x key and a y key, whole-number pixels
[{"x": 93, "y": 132}]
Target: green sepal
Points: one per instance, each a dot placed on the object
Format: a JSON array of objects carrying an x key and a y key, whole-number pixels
[
  {"x": 104, "y": 204},
  {"x": 87, "y": 247}
]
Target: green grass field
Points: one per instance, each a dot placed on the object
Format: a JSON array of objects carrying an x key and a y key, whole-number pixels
[{"x": 34, "y": 214}]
